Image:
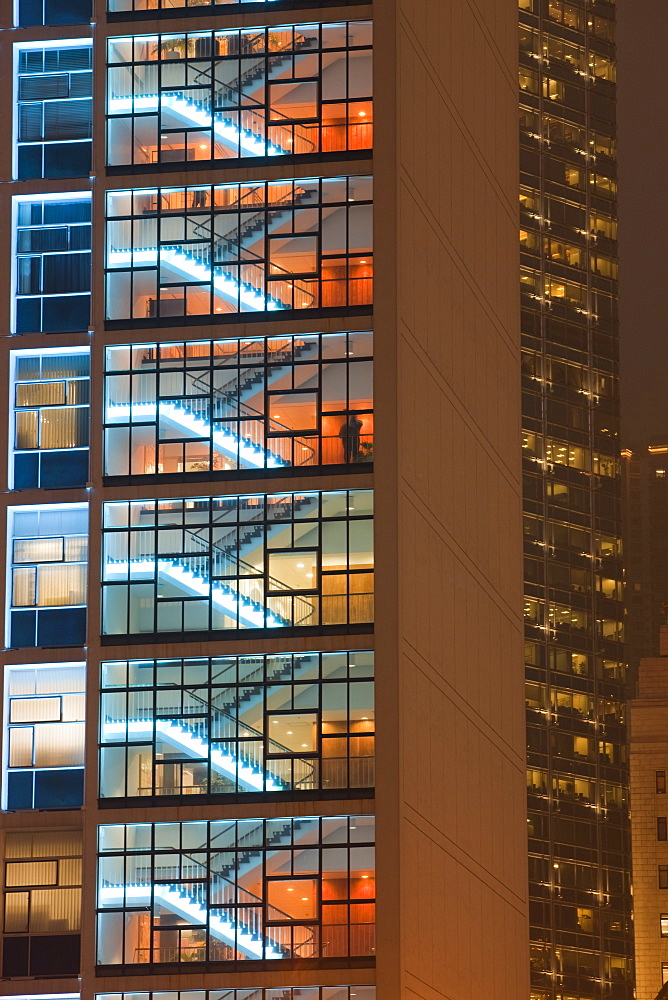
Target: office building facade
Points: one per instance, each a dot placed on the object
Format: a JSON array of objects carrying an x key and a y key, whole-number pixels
[
  {"x": 645, "y": 471},
  {"x": 577, "y": 769},
  {"x": 253, "y": 333},
  {"x": 648, "y": 761}
]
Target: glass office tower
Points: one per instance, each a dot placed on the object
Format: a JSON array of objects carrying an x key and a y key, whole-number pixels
[
  {"x": 577, "y": 768},
  {"x": 245, "y": 685}
]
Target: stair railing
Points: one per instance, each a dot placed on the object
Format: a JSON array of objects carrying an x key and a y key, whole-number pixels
[{"x": 249, "y": 915}]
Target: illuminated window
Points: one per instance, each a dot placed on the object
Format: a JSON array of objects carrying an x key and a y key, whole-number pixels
[
  {"x": 48, "y": 558},
  {"x": 209, "y": 564},
  {"x": 50, "y": 400},
  {"x": 256, "y": 92},
  {"x": 284, "y": 992},
  {"x": 155, "y": 6},
  {"x": 45, "y": 736},
  {"x": 232, "y": 248},
  {"x": 54, "y": 110},
  {"x": 42, "y": 897},
  {"x": 53, "y": 259},
  {"x": 192, "y": 892},
  {"x": 236, "y": 724},
  {"x": 216, "y": 406}
]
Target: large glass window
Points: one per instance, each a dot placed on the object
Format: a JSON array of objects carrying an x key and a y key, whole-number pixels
[
  {"x": 276, "y": 723},
  {"x": 215, "y": 406},
  {"x": 207, "y": 251},
  {"x": 42, "y": 903},
  {"x": 48, "y": 552},
  {"x": 50, "y": 402},
  {"x": 256, "y": 92},
  {"x": 34, "y": 13},
  {"x": 158, "y": 5},
  {"x": 229, "y": 891},
  {"x": 53, "y": 256},
  {"x": 271, "y": 993},
  {"x": 55, "y": 110},
  {"x": 44, "y": 754},
  {"x": 230, "y": 563}
]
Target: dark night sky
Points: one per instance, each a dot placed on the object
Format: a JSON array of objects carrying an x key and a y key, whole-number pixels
[{"x": 643, "y": 205}]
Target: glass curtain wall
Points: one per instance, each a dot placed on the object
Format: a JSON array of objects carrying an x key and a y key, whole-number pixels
[
  {"x": 236, "y": 563},
  {"x": 577, "y": 780},
  {"x": 50, "y": 396},
  {"x": 117, "y": 6},
  {"x": 55, "y": 110},
  {"x": 291, "y": 722},
  {"x": 272, "y": 993},
  {"x": 217, "y": 406},
  {"x": 231, "y": 248},
  {"x": 258, "y": 92},
  {"x": 232, "y": 891}
]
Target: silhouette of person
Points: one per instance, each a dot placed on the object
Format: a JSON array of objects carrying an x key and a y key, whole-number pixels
[{"x": 350, "y": 438}]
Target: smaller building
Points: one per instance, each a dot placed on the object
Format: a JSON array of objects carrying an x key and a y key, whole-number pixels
[{"x": 649, "y": 820}]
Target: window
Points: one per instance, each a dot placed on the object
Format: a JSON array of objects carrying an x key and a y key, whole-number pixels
[
  {"x": 233, "y": 248},
  {"x": 44, "y": 736},
  {"x": 53, "y": 240},
  {"x": 34, "y": 13},
  {"x": 566, "y": 13},
  {"x": 285, "y": 993},
  {"x": 601, "y": 67},
  {"x": 50, "y": 400},
  {"x": 42, "y": 912},
  {"x": 664, "y": 972},
  {"x": 54, "y": 111},
  {"x": 660, "y": 781},
  {"x": 209, "y": 564},
  {"x": 661, "y": 831},
  {"x": 217, "y": 406},
  {"x": 305, "y": 887},
  {"x": 228, "y": 94},
  {"x": 158, "y": 5},
  {"x": 237, "y": 724},
  {"x": 663, "y": 876},
  {"x": 663, "y": 923},
  {"x": 48, "y": 553}
]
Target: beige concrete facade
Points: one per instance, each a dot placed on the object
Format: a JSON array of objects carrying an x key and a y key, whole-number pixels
[
  {"x": 449, "y": 796},
  {"x": 649, "y": 755}
]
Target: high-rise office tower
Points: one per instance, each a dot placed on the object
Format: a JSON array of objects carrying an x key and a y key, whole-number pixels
[
  {"x": 230, "y": 381},
  {"x": 577, "y": 771}
]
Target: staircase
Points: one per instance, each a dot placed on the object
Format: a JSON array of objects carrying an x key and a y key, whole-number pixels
[
  {"x": 209, "y": 103},
  {"x": 186, "y": 891},
  {"x": 190, "y": 904},
  {"x": 239, "y": 761},
  {"x": 191, "y": 417},
  {"x": 203, "y": 260},
  {"x": 244, "y": 443},
  {"x": 195, "y": 569}
]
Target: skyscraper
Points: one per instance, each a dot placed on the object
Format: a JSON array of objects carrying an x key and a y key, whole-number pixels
[
  {"x": 228, "y": 728},
  {"x": 577, "y": 769}
]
